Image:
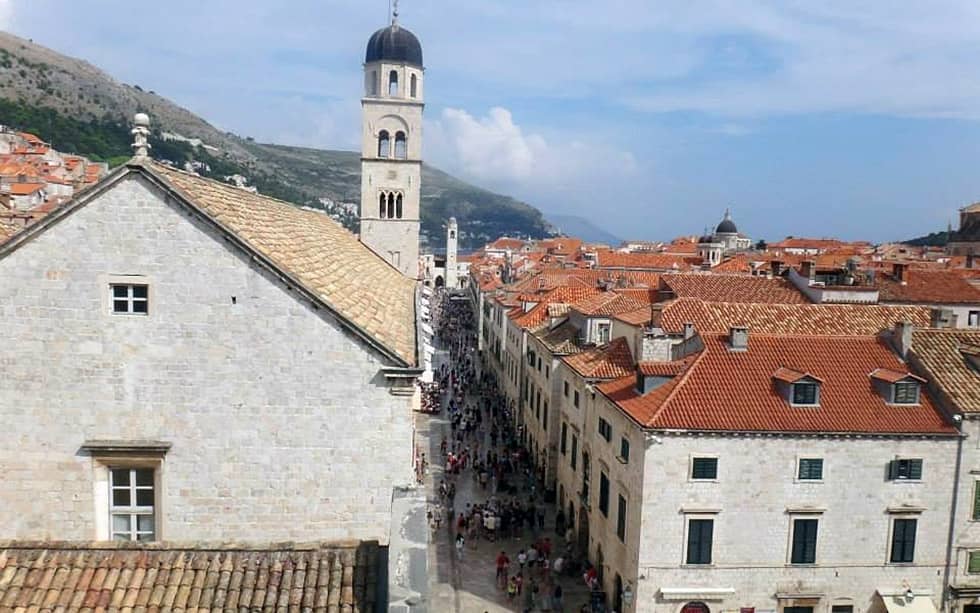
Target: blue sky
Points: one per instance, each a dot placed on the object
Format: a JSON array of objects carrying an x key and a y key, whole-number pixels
[{"x": 854, "y": 119}]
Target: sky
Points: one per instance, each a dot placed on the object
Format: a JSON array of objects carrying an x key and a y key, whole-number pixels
[{"x": 855, "y": 119}]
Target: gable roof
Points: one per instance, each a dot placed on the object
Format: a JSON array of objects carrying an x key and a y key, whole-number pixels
[
  {"x": 726, "y": 390},
  {"x": 113, "y": 576},
  {"x": 733, "y": 288},
  {"x": 608, "y": 361},
  {"x": 606, "y": 304},
  {"x": 308, "y": 248},
  {"x": 945, "y": 355}
]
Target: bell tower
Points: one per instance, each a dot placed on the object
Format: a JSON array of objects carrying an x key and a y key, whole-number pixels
[{"x": 391, "y": 150}]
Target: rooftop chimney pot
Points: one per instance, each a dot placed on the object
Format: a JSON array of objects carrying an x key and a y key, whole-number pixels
[{"x": 738, "y": 338}]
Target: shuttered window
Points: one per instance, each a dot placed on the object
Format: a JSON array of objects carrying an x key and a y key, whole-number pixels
[
  {"x": 811, "y": 469},
  {"x": 699, "y": 536},
  {"x": 804, "y": 541},
  {"x": 903, "y": 541},
  {"x": 973, "y": 562},
  {"x": 905, "y": 469},
  {"x": 604, "y": 494},
  {"x": 976, "y": 500},
  {"x": 704, "y": 468}
]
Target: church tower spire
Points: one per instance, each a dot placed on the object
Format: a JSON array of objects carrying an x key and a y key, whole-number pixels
[{"x": 391, "y": 151}]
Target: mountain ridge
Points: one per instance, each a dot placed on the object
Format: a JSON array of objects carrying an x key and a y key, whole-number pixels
[{"x": 35, "y": 77}]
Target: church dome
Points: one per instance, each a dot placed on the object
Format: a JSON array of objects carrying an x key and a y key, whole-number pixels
[
  {"x": 727, "y": 226},
  {"x": 394, "y": 44}
]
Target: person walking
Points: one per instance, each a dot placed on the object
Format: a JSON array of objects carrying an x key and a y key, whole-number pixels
[
  {"x": 503, "y": 562},
  {"x": 460, "y": 541}
]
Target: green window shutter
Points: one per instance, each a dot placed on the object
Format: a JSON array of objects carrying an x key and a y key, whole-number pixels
[{"x": 976, "y": 500}]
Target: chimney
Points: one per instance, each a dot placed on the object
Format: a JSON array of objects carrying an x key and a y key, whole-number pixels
[
  {"x": 688, "y": 330},
  {"x": 738, "y": 338},
  {"x": 942, "y": 318},
  {"x": 901, "y": 272},
  {"x": 902, "y": 337},
  {"x": 808, "y": 269},
  {"x": 777, "y": 267}
]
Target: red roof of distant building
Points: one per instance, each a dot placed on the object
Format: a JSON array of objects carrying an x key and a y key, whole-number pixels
[
  {"x": 645, "y": 261},
  {"x": 928, "y": 287}
]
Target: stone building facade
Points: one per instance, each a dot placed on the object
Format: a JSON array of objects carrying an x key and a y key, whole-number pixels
[{"x": 186, "y": 361}]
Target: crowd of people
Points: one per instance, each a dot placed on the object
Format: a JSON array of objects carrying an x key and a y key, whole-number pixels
[{"x": 482, "y": 444}]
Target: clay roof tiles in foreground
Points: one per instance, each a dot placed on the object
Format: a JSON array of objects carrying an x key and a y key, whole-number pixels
[
  {"x": 608, "y": 361},
  {"x": 815, "y": 319},
  {"x": 128, "y": 576},
  {"x": 947, "y": 357},
  {"x": 607, "y": 303},
  {"x": 725, "y": 390},
  {"x": 560, "y": 340},
  {"x": 733, "y": 288}
]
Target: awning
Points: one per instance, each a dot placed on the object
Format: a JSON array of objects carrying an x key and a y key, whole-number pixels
[{"x": 898, "y": 600}]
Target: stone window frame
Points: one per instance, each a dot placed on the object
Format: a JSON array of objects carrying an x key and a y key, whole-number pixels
[
  {"x": 108, "y": 281},
  {"x": 799, "y": 464},
  {"x": 893, "y": 518},
  {"x": 690, "y": 515},
  {"x": 108, "y": 455},
  {"x": 795, "y": 516},
  {"x": 702, "y": 456}
]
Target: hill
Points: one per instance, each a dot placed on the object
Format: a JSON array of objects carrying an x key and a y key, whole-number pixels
[
  {"x": 933, "y": 239},
  {"x": 81, "y": 109}
]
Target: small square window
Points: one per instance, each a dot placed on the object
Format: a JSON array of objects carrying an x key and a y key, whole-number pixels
[
  {"x": 704, "y": 468},
  {"x": 131, "y": 504},
  {"x": 810, "y": 469},
  {"x": 805, "y": 393},
  {"x": 130, "y": 299}
]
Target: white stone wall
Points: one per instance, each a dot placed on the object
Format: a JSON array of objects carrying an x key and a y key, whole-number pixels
[
  {"x": 967, "y": 533},
  {"x": 753, "y": 503},
  {"x": 281, "y": 423}
]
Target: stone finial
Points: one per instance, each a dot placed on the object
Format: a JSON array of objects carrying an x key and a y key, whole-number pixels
[
  {"x": 141, "y": 135},
  {"x": 394, "y": 14}
]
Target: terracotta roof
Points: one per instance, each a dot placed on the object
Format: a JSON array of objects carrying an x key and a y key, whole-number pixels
[
  {"x": 664, "y": 369},
  {"x": 727, "y": 390},
  {"x": 607, "y": 304},
  {"x": 946, "y": 357},
  {"x": 645, "y": 261},
  {"x": 506, "y": 243},
  {"x": 560, "y": 340},
  {"x": 894, "y": 376},
  {"x": 25, "y": 189},
  {"x": 928, "y": 287},
  {"x": 809, "y": 243},
  {"x": 559, "y": 295},
  {"x": 815, "y": 319},
  {"x": 637, "y": 317},
  {"x": 608, "y": 361},
  {"x": 788, "y": 375},
  {"x": 134, "y": 577},
  {"x": 733, "y": 288}
]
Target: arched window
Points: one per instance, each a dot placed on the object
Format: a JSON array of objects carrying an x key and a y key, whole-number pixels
[
  {"x": 384, "y": 144},
  {"x": 383, "y": 209},
  {"x": 398, "y": 207},
  {"x": 415, "y": 89},
  {"x": 452, "y": 234},
  {"x": 401, "y": 146},
  {"x": 393, "y": 83},
  {"x": 391, "y": 206}
]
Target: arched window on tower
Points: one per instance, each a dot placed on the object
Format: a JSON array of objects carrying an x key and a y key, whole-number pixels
[
  {"x": 452, "y": 234},
  {"x": 384, "y": 144},
  {"x": 393, "y": 83},
  {"x": 415, "y": 87},
  {"x": 383, "y": 209},
  {"x": 391, "y": 206},
  {"x": 398, "y": 207},
  {"x": 401, "y": 146}
]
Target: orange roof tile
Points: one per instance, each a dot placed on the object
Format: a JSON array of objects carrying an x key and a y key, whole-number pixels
[
  {"x": 733, "y": 288},
  {"x": 540, "y": 312},
  {"x": 25, "y": 189},
  {"x": 947, "y": 356},
  {"x": 725, "y": 390},
  {"x": 608, "y": 361},
  {"x": 646, "y": 261},
  {"x": 607, "y": 304},
  {"x": 928, "y": 287}
]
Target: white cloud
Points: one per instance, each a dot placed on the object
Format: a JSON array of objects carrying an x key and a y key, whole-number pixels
[{"x": 494, "y": 148}]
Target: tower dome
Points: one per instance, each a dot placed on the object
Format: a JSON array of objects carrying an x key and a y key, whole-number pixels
[
  {"x": 394, "y": 44},
  {"x": 727, "y": 226}
]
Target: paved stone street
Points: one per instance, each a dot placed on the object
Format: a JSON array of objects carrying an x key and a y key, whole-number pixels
[{"x": 469, "y": 584}]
